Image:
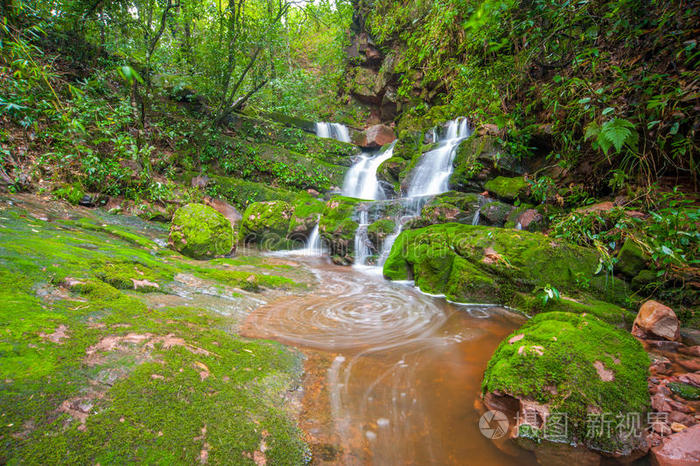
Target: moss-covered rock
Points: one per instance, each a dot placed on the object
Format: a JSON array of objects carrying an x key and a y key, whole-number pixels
[
  {"x": 201, "y": 232},
  {"x": 266, "y": 224},
  {"x": 631, "y": 259},
  {"x": 495, "y": 213},
  {"x": 390, "y": 172},
  {"x": 574, "y": 365},
  {"x": 307, "y": 213},
  {"x": 685, "y": 391},
  {"x": 487, "y": 264},
  {"x": 479, "y": 158},
  {"x": 379, "y": 230},
  {"x": 337, "y": 226},
  {"x": 449, "y": 207},
  {"x": 508, "y": 189}
]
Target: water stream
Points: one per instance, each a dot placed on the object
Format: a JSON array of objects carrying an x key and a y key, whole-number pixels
[{"x": 392, "y": 375}]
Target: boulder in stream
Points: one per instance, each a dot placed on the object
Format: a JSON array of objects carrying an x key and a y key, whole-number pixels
[
  {"x": 563, "y": 369},
  {"x": 201, "y": 232},
  {"x": 656, "y": 321}
]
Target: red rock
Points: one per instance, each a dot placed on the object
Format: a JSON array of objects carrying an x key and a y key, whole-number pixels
[
  {"x": 679, "y": 449},
  {"x": 691, "y": 365},
  {"x": 376, "y": 136},
  {"x": 659, "y": 403},
  {"x": 528, "y": 217},
  {"x": 224, "y": 208},
  {"x": 655, "y": 320},
  {"x": 689, "y": 378},
  {"x": 681, "y": 418},
  {"x": 200, "y": 181}
]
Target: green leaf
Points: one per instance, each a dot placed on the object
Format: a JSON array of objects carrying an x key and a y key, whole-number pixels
[{"x": 618, "y": 132}]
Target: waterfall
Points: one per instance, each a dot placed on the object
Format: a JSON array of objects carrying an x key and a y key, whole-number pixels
[
  {"x": 333, "y": 131},
  {"x": 362, "y": 248},
  {"x": 313, "y": 244},
  {"x": 475, "y": 219},
  {"x": 432, "y": 174},
  {"x": 429, "y": 178},
  {"x": 361, "y": 180}
]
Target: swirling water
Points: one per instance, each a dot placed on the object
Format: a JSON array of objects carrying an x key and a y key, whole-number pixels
[{"x": 392, "y": 375}]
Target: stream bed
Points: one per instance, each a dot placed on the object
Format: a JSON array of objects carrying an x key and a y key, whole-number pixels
[{"x": 392, "y": 376}]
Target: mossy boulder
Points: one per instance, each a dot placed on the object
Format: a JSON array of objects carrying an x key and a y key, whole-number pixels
[
  {"x": 266, "y": 223},
  {"x": 533, "y": 303},
  {"x": 631, "y": 259},
  {"x": 481, "y": 157},
  {"x": 491, "y": 265},
  {"x": 495, "y": 213},
  {"x": 390, "y": 172},
  {"x": 379, "y": 230},
  {"x": 508, "y": 189},
  {"x": 306, "y": 215},
  {"x": 573, "y": 365},
  {"x": 201, "y": 232},
  {"x": 450, "y": 207},
  {"x": 337, "y": 227}
]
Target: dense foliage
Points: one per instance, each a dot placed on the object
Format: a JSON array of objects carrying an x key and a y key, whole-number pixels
[{"x": 606, "y": 84}]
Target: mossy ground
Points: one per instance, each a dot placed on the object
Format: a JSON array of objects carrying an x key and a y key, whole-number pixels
[
  {"x": 91, "y": 373},
  {"x": 557, "y": 359}
]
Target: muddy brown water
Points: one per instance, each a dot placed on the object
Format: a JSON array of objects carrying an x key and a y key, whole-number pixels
[{"x": 392, "y": 375}]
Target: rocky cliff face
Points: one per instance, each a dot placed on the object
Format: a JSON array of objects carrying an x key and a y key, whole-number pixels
[{"x": 370, "y": 78}]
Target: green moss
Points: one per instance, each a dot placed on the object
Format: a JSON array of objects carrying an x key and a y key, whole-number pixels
[
  {"x": 379, "y": 230},
  {"x": 306, "y": 215},
  {"x": 508, "y": 189},
  {"x": 450, "y": 207},
  {"x": 631, "y": 259},
  {"x": 117, "y": 231},
  {"x": 145, "y": 399},
  {"x": 336, "y": 225},
  {"x": 72, "y": 193},
  {"x": 553, "y": 362},
  {"x": 266, "y": 223},
  {"x": 610, "y": 313},
  {"x": 497, "y": 264},
  {"x": 685, "y": 390},
  {"x": 201, "y": 232}
]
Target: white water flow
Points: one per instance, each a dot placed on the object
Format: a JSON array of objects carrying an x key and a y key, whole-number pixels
[
  {"x": 429, "y": 178},
  {"x": 361, "y": 180},
  {"x": 362, "y": 244},
  {"x": 313, "y": 244},
  {"x": 332, "y": 131},
  {"x": 432, "y": 173}
]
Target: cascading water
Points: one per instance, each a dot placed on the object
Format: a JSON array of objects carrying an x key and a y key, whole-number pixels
[
  {"x": 429, "y": 178},
  {"x": 361, "y": 180},
  {"x": 313, "y": 244},
  {"x": 432, "y": 173},
  {"x": 333, "y": 131},
  {"x": 362, "y": 244}
]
